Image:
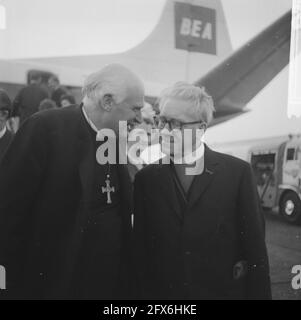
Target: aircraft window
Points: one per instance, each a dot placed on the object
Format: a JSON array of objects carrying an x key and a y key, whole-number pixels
[{"x": 290, "y": 154}]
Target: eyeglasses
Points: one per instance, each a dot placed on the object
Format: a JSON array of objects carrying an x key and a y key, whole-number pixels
[
  {"x": 3, "y": 113},
  {"x": 176, "y": 125}
]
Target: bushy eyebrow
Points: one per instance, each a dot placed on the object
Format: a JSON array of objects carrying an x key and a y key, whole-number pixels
[
  {"x": 169, "y": 119},
  {"x": 138, "y": 106}
]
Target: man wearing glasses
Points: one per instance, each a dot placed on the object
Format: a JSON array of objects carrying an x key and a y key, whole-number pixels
[
  {"x": 198, "y": 228},
  {"x": 5, "y": 135}
]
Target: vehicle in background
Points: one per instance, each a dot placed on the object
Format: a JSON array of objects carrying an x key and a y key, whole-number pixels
[{"x": 276, "y": 163}]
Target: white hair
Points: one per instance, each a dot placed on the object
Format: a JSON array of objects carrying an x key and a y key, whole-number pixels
[
  {"x": 114, "y": 80},
  {"x": 201, "y": 100}
]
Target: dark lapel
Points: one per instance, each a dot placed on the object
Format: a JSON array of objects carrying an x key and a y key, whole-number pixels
[
  {"x": 126, "y": 186},
  {"x": 85, "y": 153},
  {"x": 87, "y": 156},
  {"x": 87, "y": 166},
  {"x": 167, "y": 184},
  {"x": 202, "y": 182}
]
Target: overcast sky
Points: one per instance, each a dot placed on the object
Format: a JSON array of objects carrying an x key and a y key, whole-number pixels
[{"x": 68, "y": 27}]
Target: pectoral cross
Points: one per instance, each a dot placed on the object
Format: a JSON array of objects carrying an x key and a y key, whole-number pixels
[{"x": 108, "y": 189}]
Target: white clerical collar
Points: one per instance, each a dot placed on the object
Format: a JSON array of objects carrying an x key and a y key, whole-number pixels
[
  {"x": 195, "y": 157},
  {"x": 153, "y": 153},
  {"x": 192, "y": 157},
  {"x": 100, "y": 136},
  {"x": 2, "y": 132},
  {"x": 92, "y": 125}
]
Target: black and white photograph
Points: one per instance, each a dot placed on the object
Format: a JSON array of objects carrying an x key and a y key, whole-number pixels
[{"x": 150, "y": 150}]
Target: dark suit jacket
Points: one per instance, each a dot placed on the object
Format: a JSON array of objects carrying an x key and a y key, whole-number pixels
[
  {"x": 4, "y": 142},
  {"x": 45, "y": 187},
  {"x": 215, "y": 249}
]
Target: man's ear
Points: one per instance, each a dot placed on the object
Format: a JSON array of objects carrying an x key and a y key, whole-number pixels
[{"x": 107, "y": 102}]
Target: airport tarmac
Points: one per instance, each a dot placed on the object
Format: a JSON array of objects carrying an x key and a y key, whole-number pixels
[{"x": 284, "y": 248}]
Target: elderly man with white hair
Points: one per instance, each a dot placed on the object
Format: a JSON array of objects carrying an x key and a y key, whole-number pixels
[
  {"x": 65, "y": 217},
  {"x": 198, "y": 227}
]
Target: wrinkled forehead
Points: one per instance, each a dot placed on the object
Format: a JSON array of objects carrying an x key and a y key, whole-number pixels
[
  {"x": 179, "y": 109},
  {"x": 135, "y": 94}
]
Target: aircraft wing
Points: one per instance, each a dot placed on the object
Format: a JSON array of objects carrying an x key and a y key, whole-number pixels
[{"x": 238, "y": 79}]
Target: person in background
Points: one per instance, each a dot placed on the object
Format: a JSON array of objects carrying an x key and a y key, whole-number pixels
[
  {"x": 47, "y": 104},
  {"x": 5, "y": 135},
  {"x": 57, "y": 91},
  {"x": 67, "y": 100},
  {"x": 28, "y": 100}
]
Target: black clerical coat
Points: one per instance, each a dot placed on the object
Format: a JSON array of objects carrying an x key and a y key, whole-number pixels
[
  {"x": 4, "y": 142},
  {"x": 45, "y": 188},
  {"x": 212, "y": 246}
]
